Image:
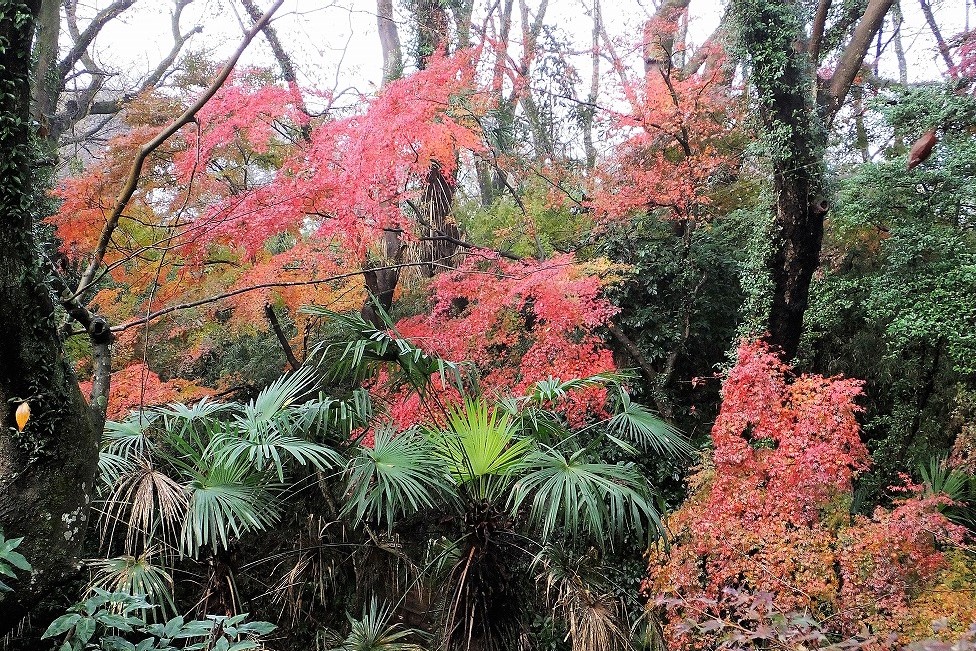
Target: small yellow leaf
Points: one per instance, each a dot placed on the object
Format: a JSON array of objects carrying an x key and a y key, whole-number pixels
[{"x": 22, "y": 414}]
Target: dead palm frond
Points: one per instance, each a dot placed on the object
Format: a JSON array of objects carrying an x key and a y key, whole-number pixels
[
  {"x": 149, "y": 503},
  {"x": 577, "y": 594}
]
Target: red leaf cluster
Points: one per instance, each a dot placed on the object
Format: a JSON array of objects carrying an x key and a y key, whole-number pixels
[
  {"x": 676, "y": 140},
  {"x": 770, "y": 513},
  {"x": 136, "y": 386},
  {"x": 518, "y": 322}
]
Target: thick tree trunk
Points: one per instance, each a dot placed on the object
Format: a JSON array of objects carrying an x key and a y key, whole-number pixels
[
  {"x": 790, "y": 115},
  {"x": 770, "y": 34},
  {"x": 47, "y": 471},
  {"x": 431, "y": 19},
  {"x": 47, "y": 84},
  {"x": 381, "y": 277}
]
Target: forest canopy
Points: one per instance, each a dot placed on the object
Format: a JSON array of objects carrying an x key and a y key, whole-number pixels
[{"x": 458, "y": 325}]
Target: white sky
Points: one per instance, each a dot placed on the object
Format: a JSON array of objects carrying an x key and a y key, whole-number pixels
[{"x": 335, "y": 44}]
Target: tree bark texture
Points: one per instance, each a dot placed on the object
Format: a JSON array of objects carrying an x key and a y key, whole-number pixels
[
  {"x": 46, "y": 471},
  {"x": 436, "y": 229},
  {"x": 795, "y": 109}
]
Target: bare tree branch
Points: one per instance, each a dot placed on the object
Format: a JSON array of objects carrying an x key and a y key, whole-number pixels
[
  {"x": 269, "y": 313},
  {"x": 284, "y": 62},
  {"x": 943, "y": 46},
  {"x": 706, "y": 53},
  {"x": 80, "y": 47},
  {"x": 251, "y": 288},
  {"x": 136, "y": 171},
  {"x": 84, "y": 104}
]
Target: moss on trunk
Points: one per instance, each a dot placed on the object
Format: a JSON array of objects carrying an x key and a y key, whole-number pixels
[{"x": 46, "y": 471}]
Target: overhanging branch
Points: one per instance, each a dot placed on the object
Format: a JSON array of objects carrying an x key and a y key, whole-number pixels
[{"x": 135, "y": 172}]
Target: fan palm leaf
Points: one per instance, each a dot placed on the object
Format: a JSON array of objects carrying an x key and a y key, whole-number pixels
[
  {"x": 263, "y": 446},
  {"x": 148, "y": 501},
  {"x": 131, "y": 437},
  {"x": 553, "y": 389},
  {"x": 635, "y": 424},
  {"x": 578, "y": 594},
  {"x": 259, "y": 414},
  {"x": 370, "y": 348},
  {"x": 375, "y": 632},
  {"x": 399, "y": 475},
  {"x": 334, "y": 419},
  {"x": 569, "y": 496},
  {"x": 138, "y": 576},
  {"x": 480, "y": 442},
  {"x": 226, "y": 501}
]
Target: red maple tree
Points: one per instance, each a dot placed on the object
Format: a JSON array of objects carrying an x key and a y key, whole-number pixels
[{"x": 769, "y": 513}]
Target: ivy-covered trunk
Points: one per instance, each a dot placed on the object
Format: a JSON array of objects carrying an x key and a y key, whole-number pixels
[
  {"x": 796, "y": 107},
  {"x": 47, "y": 470}
]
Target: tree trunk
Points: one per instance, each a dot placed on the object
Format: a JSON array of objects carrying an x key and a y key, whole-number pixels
[
  {"x": 437, "y": 200},
  {"x": 389, "y": 41},
  {"x": 795, "y": 121},
  {"x": 590, "y": 112},
  {"x": 47, "y": 471},
  {"x": 431, "y": 19},
  {"x": 47, "y": 83},
  {"x": 899, "y": 47}
]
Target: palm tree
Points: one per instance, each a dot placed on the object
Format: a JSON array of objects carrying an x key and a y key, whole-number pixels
[
  {"x": 186, "y": 481},
  {"x": 495, "y": 511},
  {"x": 484, "y": 503}
]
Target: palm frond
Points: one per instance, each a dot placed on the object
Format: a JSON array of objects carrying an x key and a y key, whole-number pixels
[
  {"x": 138, "y": 576},
  {"x": 226, "y": 501},
  {"x": 262, "y": 447},
  {"x": 635, "y": 424},
  {"x": 577, "y": 593},
  {"x": 939, "y": 478},
  {"x": 371, "y": 348},
  {"x": 552, "y": 389},
  {"x": 399, "y": 475},
  {"x": 177, "y": 417},
  {"x": 129, "y": 438},
  {"x": 257, "y": 415},
  {"x": 376, "y": 632},
  {"x": 334, "y": 419},
  {"x": 570, "y": 496},
  {"x": 480, "y": 442},
  {"x": 111, "y": 466},
  {"x": 150, "y": 503},
  {"x": 544, "y": 425}
]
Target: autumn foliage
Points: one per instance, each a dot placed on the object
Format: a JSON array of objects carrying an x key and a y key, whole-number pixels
[
  {"x": 255, "y": 202},
  {"x": 677, "y": 137},
  {"x": 518, "y": 322},
  {"x": 770, "y": 513}
]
